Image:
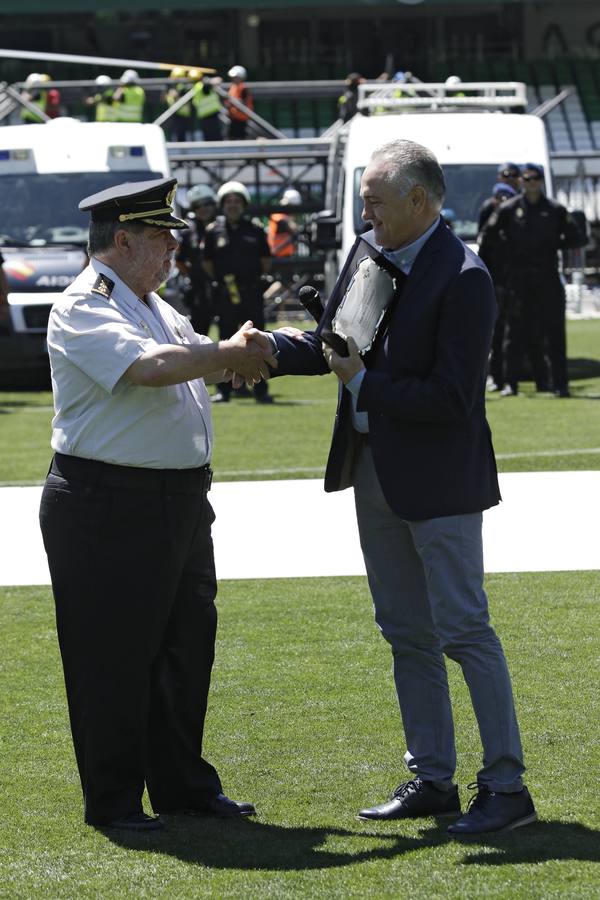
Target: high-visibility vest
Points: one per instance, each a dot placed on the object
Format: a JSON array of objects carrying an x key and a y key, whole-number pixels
[
  {"x": 131, "y": 108},
  {"x": 105, "y": 111},
  {"x": 186, "y": 110},
  {"x": 236, "y": 91},
  {"x": 28, "y": 116},
  {"x": 281, "y": 243},
  {"x": 206, "y": 104}
]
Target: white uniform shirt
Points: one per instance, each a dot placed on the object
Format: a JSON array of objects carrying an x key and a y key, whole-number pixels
[{"x": 92, "y": 340}]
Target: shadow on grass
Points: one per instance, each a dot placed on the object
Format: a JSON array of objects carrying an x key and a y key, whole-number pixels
[
  {"x": 582, "y": 367},
  {"x": 543, "y": 841},
  {"x": 248, "y": 844}
]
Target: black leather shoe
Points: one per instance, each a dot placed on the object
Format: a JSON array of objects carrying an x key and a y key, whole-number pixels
[
  {"x": 495, "y": 811},
  {"x": 266, "y": 398},
  {"x": 220, "y": 805},
  {"x": 137, "y": 821},
  {"x": 413, "y": 799},
  {"x": 562, "y": 392}
]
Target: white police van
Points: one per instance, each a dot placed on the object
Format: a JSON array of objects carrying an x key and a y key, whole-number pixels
[
  {"x": 45, "y": 170},
  {"x": 473, "y": 128}
]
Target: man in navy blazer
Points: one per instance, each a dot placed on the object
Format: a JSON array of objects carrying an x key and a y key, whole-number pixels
[{"x": 411, "y": 438}]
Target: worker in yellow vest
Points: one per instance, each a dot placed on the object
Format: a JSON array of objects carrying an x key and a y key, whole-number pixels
[
  {"x": 129, "y": 98},
  {"x": 180, "y": 123},
  {"x": 207, "y": 105},
  {"x": 34, "y": 96},
  {"x": 102, "y": 100}
]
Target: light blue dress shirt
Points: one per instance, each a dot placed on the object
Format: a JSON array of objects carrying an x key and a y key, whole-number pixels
[{"x": 403, "y": 259}]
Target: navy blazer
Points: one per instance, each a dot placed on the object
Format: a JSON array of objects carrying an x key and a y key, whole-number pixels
[{"x": 425, "y": 392}]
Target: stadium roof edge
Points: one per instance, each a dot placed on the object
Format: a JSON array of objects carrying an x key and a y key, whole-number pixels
[{"x": 86, "y": 6}]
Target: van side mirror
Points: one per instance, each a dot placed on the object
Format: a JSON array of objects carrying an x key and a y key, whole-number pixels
[{"x": 325, "y": 231}]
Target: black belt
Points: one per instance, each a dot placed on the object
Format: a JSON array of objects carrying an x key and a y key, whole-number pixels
[{"x": 92, "y": 471}]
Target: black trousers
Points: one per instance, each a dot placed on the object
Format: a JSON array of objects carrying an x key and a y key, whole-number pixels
[
  {"x": 536, "y": 326},
  {"x": 131, "y": 561},
  {"x": 233, "y": 315}
]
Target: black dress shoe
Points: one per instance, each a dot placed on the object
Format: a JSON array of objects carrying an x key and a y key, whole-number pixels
[
  {"x": 562, "y": 392},
  {"x": 137, "y": 821},
  {"x": 413, "y": 799},
  {"x": 266, "y": 398},
  {"x": 495, "y": 811},
  {"x": 220, "y": 805}
]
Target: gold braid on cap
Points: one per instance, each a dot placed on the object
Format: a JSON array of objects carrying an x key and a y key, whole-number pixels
[
  {"x": 125, "y": 217},
  {"x": 162, "y": 223}
]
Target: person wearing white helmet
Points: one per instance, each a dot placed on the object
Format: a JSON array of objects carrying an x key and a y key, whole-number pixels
[
  {"x": 283, "y": 230},
  {"x": 199, "y": 298},
  {"x": 239, "y": 91},
  {"x": 48, "y": 101},
  {"x": 129, "y": 98},
  {"x": 101, "y": 100},
  {"x": 236, "y": 256},
  {"x": 453, "y": 86}
]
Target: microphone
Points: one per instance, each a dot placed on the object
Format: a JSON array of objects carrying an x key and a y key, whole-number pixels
[{"x": 310, "y": 299}]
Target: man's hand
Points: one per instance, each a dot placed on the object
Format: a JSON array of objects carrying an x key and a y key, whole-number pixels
[
  {"x": 251, "y": 354},
  {"x": 345, "y": 367}
]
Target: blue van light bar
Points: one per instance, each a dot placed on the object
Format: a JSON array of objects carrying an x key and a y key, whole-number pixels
[
  {"x": 15, "y": 154},
  {"x": 122, "y": 152}
]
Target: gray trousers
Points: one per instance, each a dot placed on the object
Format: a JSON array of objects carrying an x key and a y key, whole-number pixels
[{"x": 426, "y": 580}]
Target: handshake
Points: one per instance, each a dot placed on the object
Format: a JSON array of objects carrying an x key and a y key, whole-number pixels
[{"x": 249, "y": 356}]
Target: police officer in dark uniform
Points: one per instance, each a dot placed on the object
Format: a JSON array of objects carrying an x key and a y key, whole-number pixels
[
  {"x": 198, "y": 299},
  {"x": 533, "y": 229},
  {"x": 508, "y": 174},
  {"x": 236, "y": 256},
  {"x": 493, "y": 252}
]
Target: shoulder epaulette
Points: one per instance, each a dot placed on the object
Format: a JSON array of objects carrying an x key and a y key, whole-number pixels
[{"x": 103, "y": 286}]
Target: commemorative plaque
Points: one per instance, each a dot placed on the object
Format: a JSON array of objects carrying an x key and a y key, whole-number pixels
[{"x": 360, "y": 298}]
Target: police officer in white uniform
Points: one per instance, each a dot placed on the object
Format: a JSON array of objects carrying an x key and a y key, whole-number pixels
[{"x": 126, "y": 520}]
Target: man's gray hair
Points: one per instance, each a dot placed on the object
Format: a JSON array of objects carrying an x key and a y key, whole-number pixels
[
  {"x": 407, "y": 164},
  {"x": 102, "y": 234}
]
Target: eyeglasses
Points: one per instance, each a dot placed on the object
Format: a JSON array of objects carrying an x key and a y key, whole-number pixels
[{"x": 531, "y": 177}]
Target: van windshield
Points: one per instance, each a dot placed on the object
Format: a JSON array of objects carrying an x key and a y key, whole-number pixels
[
  {"x": 43, "y": 207},
  {"x": 467, "y": 186}
]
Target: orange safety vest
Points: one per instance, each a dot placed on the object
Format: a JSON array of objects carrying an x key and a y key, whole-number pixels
[
  {"x": 236, "y": 91},
  {"x": 281, "y": 243}
]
